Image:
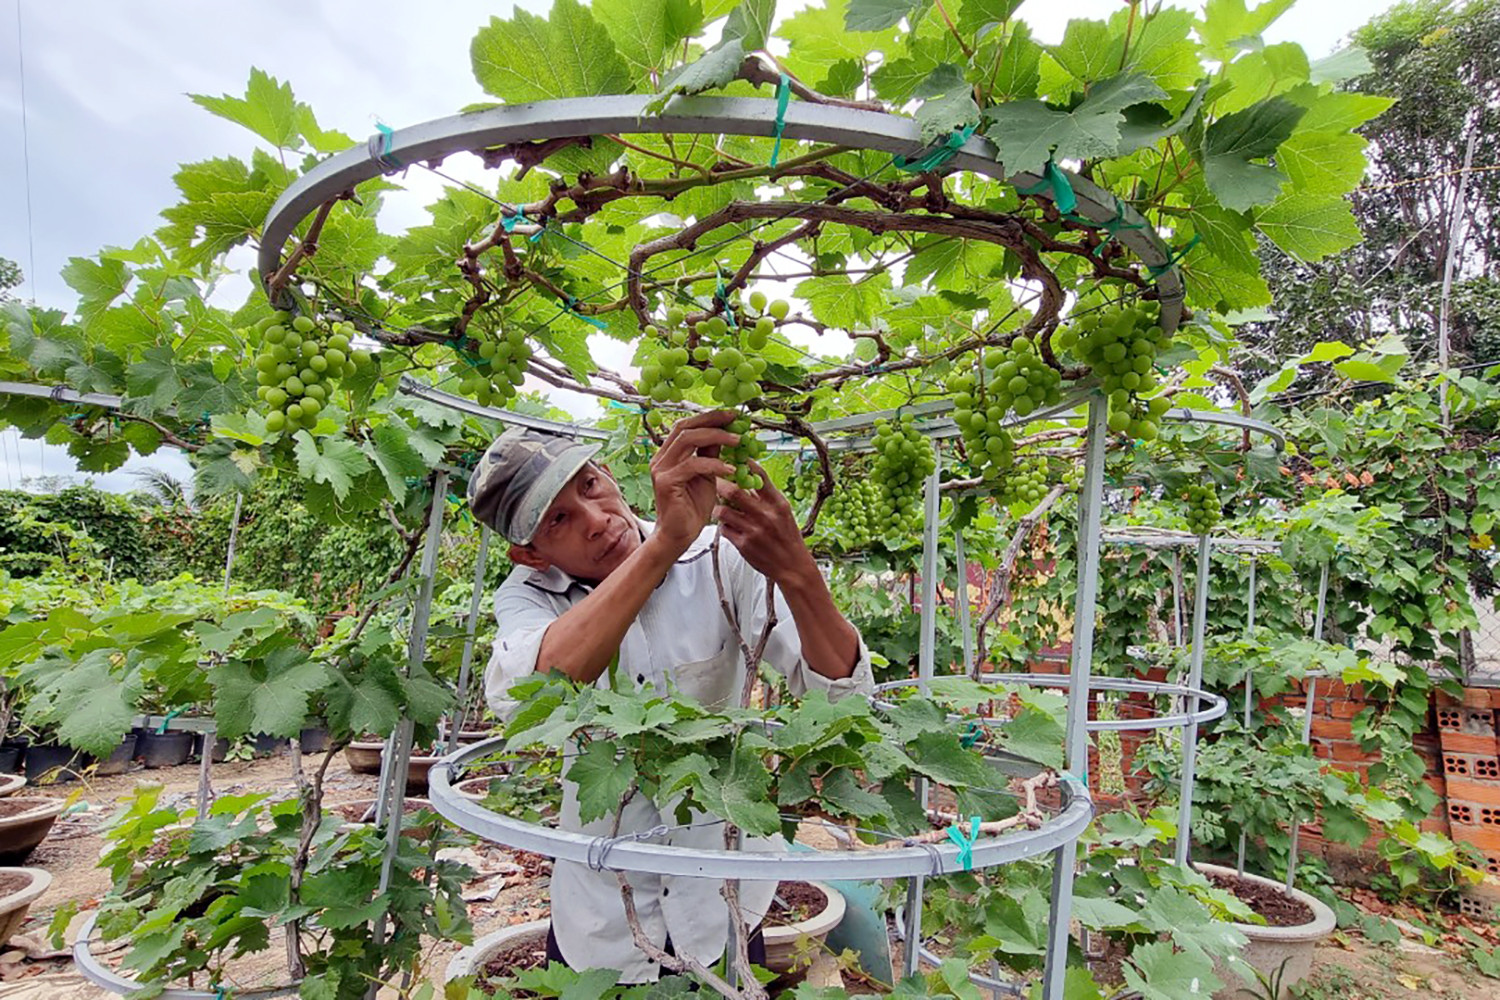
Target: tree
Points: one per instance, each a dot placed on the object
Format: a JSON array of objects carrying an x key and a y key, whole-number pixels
[
  {"x": 10, "y": 277},
  {"x": 1433, "y": 66}
]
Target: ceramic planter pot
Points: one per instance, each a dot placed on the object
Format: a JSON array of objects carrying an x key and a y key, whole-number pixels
[
  {"x": 1270, "y": 947},
  {"x": 10, "y": 784},
  {"x": 781, "y": 940},
  {"x": 364, "y": 758},
  {"x": 472, "y": 960},
  {"x": 19, "y": 888},
  {"x": 100, "y": 974},
  {"x": 25, "y": 821}
]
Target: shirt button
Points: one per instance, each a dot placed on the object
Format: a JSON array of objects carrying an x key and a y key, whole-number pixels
[
  {"x": 665, "y": 891},
  {"x": 640, "y": 678}
]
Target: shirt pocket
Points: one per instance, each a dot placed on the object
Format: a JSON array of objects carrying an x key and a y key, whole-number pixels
[{"x": 712, "y": 681}]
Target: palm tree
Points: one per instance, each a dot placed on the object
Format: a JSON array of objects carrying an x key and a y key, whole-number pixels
[{"x": 160, "y": 488}]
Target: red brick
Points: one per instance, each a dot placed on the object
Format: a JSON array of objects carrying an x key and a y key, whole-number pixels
[
  {"x": 1470, "y": 743},
  {"x": 1343, "y": 708},
  {"x": 1485, "y": 838},
  {"x": 1340, "y": 750},
  {"x": 1438, "y": 825},
  {"x": 1330, "y": 688},
  {"x": 1332, "y": 729}
]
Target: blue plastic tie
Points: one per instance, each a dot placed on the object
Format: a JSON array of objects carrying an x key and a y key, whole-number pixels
[
  {"x": 723, "y": 297},
  {"x": 783, "y": 98},
  {"x": 965, "y": 843},
  {"x": 1157, "y": 270},
  {"x": 511, "y": 215},
  {"x": 938, "y": 156},
  {"x": 1056, "y": 182},
  {"x": 968, "y": 739},
  {"x": 628, "y": 407},
  {"x": 384, "y": 158},
  {"x": 594, "y": 321}
]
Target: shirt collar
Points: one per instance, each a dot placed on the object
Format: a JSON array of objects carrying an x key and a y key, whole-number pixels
[{"x": 556, "y": 581}]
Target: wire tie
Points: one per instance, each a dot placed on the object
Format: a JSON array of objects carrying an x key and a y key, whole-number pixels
[
  {"x": 965, "y": 843},
  {"x": 783, "y": 98},
  {"x": 594, "y": 321},
  {"x": 935, "y": 157},
  {"x": 1157, "y": 270},
  {"x": 380, "y": 149},
  {"x": 600, "y": 847},
  {"x": 1056, "y": 182}
]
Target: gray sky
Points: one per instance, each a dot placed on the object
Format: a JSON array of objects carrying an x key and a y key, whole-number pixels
[{"x": 107, "y": 117}]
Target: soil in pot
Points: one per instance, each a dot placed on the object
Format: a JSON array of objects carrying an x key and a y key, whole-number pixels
[
  {"x": 517, "y": 957},
  {"x": 12, "y": 881},
  {"x": 20, "y": 832},
  {"x": 1279, "y": 909},
  {"x": 794, "y": 902}
]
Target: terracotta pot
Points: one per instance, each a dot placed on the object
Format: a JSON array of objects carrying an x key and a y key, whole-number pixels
[
  {"x": 13, "y": 906},
  {"x": 471, "y": 960},
  {"x": 781, "y": 941},
  {"x": 25, "y": 821},
  {"x": 10, "y": 784},
  {"x": 1271, "y": 947}
]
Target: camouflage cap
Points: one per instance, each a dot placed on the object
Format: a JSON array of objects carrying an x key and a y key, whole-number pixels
[{"x": 519, "y": 476}]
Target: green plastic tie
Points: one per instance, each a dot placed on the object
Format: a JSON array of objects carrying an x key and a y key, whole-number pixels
[
  {"x": 510, "y": 215},
  {"x": 386, "y": 159},
  {"x": 965, "y": 843},
  {"x": 783, "y": 98},
  {"x": 169, "y": 717},
  {"x": 938, "y": 156},
  {"x": 627, "y": 407},
  {"x": 1157, "y": 270},
  {"x": 593, "y": 321},
  {"x": 723, "y": 297},
  {"x": 1115, "y": 226},
  {"x": 968, "y": 739},
  {"x": 1056, "y": 182}
]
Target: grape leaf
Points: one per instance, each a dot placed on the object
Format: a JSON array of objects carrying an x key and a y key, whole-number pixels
[
  {"x": 739, "y": 791},
  {"x": 151, "y": 384},
  {"x": 843, "y": 794},
  {"x": 1323, "y": 162},
  {"x": 602, "y": 779},
  {"x": 1086, "y": 50},
  {"x": 1148, "y": 124},
  {"x": 1345, "y": 64},
  {"x": 530, "y": 59},
  {"x": 337, "y": 464},
  {"x": 1097, "y": 913},
  {"x": 342, "y": 896},
  {"x": 941, "y": 758},
  {"x": 98, "y": 283},
  {"x": 750, "y": 23},
  {"x": 1310, "y": 226},
  {"x": 268, "y": 109},
  {"x": 1169, "y": 910},
  {"x": 644, "y": 30},
  {"x": 268, "y": 697},
  {"x": 976, "y": 14},
  {"x": 91, "y": 706},
  {"x": 1232, "y": 142},
  {"x": 1160, "y": 973},
  {"x": 942, "y": 114},
  {"x": 1226, "y": 24},
  {"x": 716, "y": 68},
  {"x": 1028, "y": 133},
  {"x": 877, "y": 15},
  {"x": 395, "y": 458},
  {"x": 838, "y": 301}
]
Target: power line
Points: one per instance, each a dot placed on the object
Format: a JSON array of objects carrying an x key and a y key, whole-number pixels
[{"x": 26, "y": 155}]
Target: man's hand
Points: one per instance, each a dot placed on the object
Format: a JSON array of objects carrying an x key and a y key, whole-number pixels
[
  {"x": 683, "y": 474},
  {"x": 760, "y": 523}
]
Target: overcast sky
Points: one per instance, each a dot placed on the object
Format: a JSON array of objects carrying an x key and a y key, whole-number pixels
[{"x": 107, "y": 118}]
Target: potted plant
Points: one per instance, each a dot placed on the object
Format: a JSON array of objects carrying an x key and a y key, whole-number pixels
[
  {"x": 501, "y": 953},
  {"x": 25, "y": 821},
  {"x": 802, "y": 915},
  {"x": 1280, "y": 949}
]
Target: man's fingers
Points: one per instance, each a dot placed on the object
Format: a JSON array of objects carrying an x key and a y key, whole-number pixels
[
  {"x": 698, "y": 467},
  {"x": 681, "y": 445},
  {"x": 733, "y": 521}
]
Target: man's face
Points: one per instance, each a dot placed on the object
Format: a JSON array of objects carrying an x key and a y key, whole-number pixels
[{"x": 588, "y": 531}]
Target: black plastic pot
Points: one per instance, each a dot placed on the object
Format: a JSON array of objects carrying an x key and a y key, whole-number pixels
[
  {"x": 265, "y": 746},
  {"x": 164, "y": 749},
  {"x": 314, "y": 740},
  {"x": 119, "y": 761},
  {"x": 48, "y": 763},
  {"x": 10, "y": 760}
]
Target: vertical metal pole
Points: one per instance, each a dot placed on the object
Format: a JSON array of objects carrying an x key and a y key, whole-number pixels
[
  {"x": 1090, "y": 502},
  {"x": 211, "y": 734},
  {"x": 465, "y": 665},
  {"x": 1195, "y": 680},
  {"x": 1457, "y": 216},
  {"x": 1239, "y": 864},
  {"x": 391, "y": 807},
  {"x": 1177, "y": 597},
  {"x": 1307, "y": 716},
  {"x": 925, "y": 656},
  {"x": 962, "y": 593}
]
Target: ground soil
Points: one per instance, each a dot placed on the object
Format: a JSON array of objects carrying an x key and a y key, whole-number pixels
[
  {"x": 518, "y": 957},
  {"x": 795, "y": 902},
  {"x": 12, "y": 882},
  {"x": 1279, "y": 909}
]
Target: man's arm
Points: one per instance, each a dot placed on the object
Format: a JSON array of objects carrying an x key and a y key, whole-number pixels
[
  {"x": 761, "y": 524},
  {"x": 585, "y": 638}
]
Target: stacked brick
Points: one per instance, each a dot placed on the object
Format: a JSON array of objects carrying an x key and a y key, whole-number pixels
[{"x": 1467, "y": 737}]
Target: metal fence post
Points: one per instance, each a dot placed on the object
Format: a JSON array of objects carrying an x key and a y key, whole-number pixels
[
  {"x": 1239, "y": 863},
  {"x": 1090, "y": 502},
  {"x": 961, "y": 594},
  {"x": 1307, "y": 714},
  {"x": 465, "y": 665}
]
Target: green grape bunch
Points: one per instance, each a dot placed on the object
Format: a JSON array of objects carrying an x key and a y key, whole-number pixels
[
  {"x": 1203, "y": 508},
  {"x": 903, "y": 460},
  {"x": 299, "y": 366},
  {"x": 496, "y": 366},
  {"x": 1015, "y": 378},
  {"x": 1026, "y": 484},
  {"x": 724, "y": 358},
  {"x": 1121, "y": 349},
  {"x": 849, "y": 514},
  {"x": 750, "y": 449}
]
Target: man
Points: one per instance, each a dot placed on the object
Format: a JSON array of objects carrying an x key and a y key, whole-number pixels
[{"x": 593, "y": 582}]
